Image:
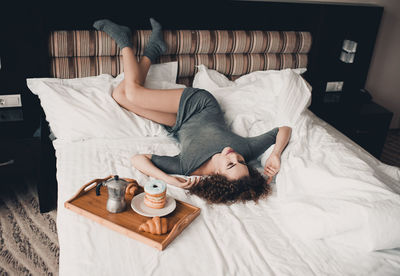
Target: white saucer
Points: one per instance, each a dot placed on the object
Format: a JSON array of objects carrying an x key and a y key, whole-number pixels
[{"x": 139, "y": 207}]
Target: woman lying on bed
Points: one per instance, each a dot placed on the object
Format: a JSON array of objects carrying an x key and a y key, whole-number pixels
[{"x": 194, "y": 117}]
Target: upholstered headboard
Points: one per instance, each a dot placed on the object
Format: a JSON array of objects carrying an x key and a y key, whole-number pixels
[{"x": 83, "y": 53}]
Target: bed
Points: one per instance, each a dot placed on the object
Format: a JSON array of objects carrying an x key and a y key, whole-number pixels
[{"x": 334, "y": 209}]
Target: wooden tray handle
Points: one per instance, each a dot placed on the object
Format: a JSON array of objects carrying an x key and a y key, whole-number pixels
[
  {"x": 82, "y": 189},
  {"x": 132, "y": 182}
]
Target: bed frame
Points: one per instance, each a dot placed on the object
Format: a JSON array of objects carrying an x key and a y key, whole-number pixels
[
  {"x": 277, "y": 36},
  {"x": 83, "y": 53}
]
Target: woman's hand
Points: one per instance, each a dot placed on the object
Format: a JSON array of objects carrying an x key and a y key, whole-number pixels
[
  {"x": 272, "y": 166},
  {"x": 181, "y": 182},
  {"x": 273, "y": 163}
]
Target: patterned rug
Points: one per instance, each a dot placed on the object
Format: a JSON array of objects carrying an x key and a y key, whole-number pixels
[{"x": 28, "y": 239}]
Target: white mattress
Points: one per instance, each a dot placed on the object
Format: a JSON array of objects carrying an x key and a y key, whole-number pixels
[{"x": 241, "y": 239}]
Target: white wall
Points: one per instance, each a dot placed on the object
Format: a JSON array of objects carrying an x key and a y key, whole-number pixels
[{"x": 384, "y": 73}]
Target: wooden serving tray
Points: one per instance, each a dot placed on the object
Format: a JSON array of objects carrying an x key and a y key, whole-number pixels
[{"x": 87, "y": 204}]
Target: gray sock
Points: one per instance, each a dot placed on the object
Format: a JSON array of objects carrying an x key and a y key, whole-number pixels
[
  {"x": 156, "y": 45},
  {"x": 121, "y": 34}
]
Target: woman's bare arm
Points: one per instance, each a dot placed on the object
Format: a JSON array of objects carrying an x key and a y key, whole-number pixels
[
  {"x": 273, "y": 163},
  {"x": 143, "y": 163},
  {"x": 282, "y": 139}
]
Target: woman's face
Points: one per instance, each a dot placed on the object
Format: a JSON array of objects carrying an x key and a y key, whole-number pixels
[{"x": 230, "y": 164}]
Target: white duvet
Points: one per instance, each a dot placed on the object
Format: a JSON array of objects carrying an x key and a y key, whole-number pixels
[
  {"x": 330, "y": 188},
  {"x": 333, "y": 205},
  {"x": 242, "y": 239}
]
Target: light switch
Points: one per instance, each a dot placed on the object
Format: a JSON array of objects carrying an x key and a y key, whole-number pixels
[{"x": 13, "y": 100}]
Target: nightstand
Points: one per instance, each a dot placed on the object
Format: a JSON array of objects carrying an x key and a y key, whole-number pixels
[
  {"x": 27, "y": 152},
  {"x": 366, "y": 123},
  {"x": 370, "y": 128},
  {"x": 19, "y": 143}
]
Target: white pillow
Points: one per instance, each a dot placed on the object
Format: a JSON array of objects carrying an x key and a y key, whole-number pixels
[
  {"x": 258, "y": 101},
  {"x": 83, "y": 108}
]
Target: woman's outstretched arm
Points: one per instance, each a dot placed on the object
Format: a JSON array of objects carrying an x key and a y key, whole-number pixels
[
  {"x": 282, "y": 139},
  {"x": 273, "y": 163},
  {"x": 143, "y": 163}
]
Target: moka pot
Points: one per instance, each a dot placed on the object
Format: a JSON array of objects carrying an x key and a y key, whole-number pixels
[{"x": 116, "y": 193}]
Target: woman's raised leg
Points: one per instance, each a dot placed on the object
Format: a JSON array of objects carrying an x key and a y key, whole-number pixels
[
  {"x": 158, "y": 105},
  {"x": 163, "y": 100},
  {"x": 120, "y": 97}
]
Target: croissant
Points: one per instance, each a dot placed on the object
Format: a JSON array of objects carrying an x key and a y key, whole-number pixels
[
  {"x": 155, "y": 226},
  {"x": 133, "y": 188}
]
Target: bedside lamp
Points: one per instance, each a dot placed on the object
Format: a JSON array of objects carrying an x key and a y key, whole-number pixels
[
  {"x": 334, "y": 88},
  {"x": 347, "y": 55},
  {"x": 348, "y": 52}
]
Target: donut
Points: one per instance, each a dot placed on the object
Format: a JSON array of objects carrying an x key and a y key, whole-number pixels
[{"x": 155, "y": 194}]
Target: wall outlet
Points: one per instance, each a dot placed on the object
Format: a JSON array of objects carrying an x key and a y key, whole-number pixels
[
  {"x": 13, "y": 100},
  {"x": 334, "y": 86}
]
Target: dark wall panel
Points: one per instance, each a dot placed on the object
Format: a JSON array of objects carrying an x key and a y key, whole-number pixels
[{"x": 25, "y": 27}]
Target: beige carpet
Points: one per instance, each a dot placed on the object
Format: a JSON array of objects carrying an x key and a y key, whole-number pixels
[{"x": 28, "y": 239}]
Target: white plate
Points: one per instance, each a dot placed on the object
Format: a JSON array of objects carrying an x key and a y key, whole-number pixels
[{"x": 139, "y": 207}]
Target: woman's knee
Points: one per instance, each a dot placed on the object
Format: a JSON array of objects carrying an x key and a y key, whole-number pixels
[
  {"x": 127, "y": 93},
  {"x": 132, "y": 92},
  {"x": 118, "y": 95}
]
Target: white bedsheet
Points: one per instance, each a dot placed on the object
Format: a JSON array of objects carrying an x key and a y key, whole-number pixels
[
  {"x": 242, "y": 239},
  {"x": 332, "y": 189}
]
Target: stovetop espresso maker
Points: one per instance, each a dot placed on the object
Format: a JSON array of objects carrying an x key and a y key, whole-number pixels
[{"x": 116, "y": 193}]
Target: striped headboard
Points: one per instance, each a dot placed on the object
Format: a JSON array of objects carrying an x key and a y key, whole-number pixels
[{"x": 82, "y": 53}]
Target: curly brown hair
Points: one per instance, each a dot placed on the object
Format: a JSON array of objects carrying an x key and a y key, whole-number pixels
[{"x": 218, "y": 189}]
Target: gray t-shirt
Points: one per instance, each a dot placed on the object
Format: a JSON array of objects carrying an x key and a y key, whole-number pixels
[{"x": 202, "y": 132}]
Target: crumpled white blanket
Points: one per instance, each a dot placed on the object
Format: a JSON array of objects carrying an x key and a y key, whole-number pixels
[
  {"x": 241, "y": 239},
  {"x": 331, "y": 188},
  {"x": 331, "y": 204}
]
